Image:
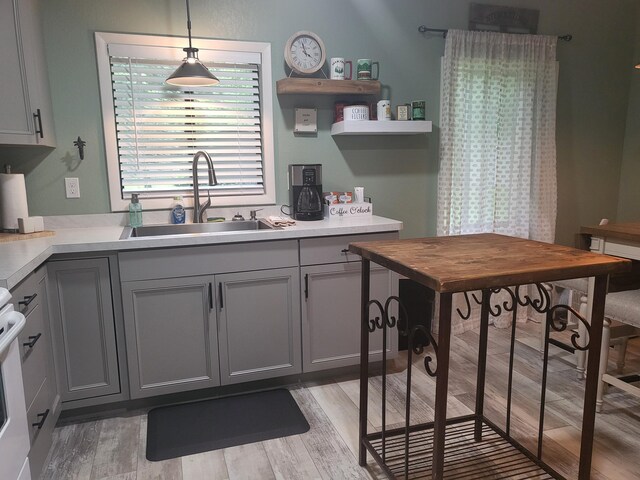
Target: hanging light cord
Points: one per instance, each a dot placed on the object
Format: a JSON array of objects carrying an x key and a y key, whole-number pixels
[{"x": 189, "y": 24}]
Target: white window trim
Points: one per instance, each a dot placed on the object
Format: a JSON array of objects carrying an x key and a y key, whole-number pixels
[{"x": 103, "y": 40}]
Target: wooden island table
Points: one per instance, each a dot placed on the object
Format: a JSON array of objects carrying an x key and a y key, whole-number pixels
[{"x": 492, "y": 264}]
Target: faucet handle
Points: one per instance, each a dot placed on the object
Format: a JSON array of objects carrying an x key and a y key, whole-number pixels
[{"x": 252, "y": 213}]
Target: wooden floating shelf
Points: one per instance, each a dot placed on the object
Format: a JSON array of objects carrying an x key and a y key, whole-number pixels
[
  {"x": 323, "y": 86},
  {"x": 381, "y": 127}
]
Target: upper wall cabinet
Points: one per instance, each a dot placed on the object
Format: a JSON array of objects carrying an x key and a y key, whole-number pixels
[{"x": 25, "y": 102}]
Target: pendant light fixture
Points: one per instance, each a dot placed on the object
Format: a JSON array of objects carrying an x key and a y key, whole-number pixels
[{"x": 192, "y": 73}]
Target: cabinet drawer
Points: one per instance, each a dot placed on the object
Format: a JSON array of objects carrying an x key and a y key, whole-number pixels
[
  {"x": 28, "y": 293},
  {"x": 41, "y": 409},
  {"x": 315, "y": 251},
  {"x": 41, "y": 438},
  {"x": 205, "y": 260},
  {"x": 34, "y": 351}
]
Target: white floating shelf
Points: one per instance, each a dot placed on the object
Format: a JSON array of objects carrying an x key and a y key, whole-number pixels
[{"x": 381, "y": 127}]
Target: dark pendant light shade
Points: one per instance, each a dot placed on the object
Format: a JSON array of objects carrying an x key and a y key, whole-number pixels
[{"x": 192, "y": 73}]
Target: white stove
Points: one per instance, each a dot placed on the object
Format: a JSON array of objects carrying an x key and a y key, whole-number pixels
[{"x": 14, "y": 434}]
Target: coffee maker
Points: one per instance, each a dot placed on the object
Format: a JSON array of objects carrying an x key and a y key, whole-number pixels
[{"x": 305, "y": 192}]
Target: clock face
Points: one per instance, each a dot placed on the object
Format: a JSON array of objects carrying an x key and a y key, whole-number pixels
[{"x": 304, "y": 53}]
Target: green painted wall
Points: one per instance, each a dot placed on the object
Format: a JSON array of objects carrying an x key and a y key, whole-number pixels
[
  {"x": 400, "y": 173},
  {"x": 629, "y": 201}
]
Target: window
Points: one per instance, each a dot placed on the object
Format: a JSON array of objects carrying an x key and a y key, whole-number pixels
[{"x": 152, "y": 129}]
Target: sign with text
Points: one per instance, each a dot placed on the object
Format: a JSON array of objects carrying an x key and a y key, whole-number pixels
[{"x": 340, "y": 210}]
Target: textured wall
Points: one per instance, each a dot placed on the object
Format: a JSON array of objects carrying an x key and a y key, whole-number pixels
[
  {"x": 629, "y": 201},
  {"x": 400, "y": 173}
]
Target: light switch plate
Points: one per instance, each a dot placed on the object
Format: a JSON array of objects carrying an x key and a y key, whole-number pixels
[{"x": 306, "y": 121}]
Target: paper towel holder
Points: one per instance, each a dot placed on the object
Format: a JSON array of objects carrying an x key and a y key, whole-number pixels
[{"x": 80, "y": 144}]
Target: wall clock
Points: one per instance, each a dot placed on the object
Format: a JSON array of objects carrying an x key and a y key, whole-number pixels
[{"x": 304, "y": 53}]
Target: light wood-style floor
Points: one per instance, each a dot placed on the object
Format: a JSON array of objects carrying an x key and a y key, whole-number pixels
[{"x": 114, "y": 448}]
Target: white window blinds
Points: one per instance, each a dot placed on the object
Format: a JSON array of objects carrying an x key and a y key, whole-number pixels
[{"x": 160, "y": 127}]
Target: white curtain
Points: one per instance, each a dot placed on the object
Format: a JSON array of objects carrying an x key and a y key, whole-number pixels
[{"x": 497, "y": 140}]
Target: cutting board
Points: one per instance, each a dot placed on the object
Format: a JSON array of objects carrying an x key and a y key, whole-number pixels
[{"x": 12, "y": 237}]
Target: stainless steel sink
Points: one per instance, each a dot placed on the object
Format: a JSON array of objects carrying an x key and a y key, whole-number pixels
[{"x": 194, "y": 228}]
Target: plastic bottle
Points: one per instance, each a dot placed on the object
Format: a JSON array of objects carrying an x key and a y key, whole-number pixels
[
  {"x": 177, "y": 212},
  {"x": 135, "y": 211}
]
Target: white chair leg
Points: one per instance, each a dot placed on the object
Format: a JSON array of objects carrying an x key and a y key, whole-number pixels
[
  {"x": 604, "y": 359},
  {"x": 621, "y": 350},
  {"x": 549, "y": 288},
  {"x": 581, "y": 355}
]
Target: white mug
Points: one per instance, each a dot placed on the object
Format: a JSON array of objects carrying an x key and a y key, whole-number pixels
[
  {"x": 337, "y": 69},
  {"x": 384, "y": 110},
  {"x": 358, "y": 194}
]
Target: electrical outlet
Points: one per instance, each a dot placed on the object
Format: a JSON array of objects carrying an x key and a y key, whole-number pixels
[{"x": 72, "y": 187}]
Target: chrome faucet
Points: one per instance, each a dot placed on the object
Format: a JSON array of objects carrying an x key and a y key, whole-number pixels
[{"x": 198, "y": 210}]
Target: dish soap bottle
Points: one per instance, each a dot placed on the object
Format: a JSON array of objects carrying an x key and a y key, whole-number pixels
[
  {"x": 135, "y": 211},
  {"x": 177, "y": 212}
]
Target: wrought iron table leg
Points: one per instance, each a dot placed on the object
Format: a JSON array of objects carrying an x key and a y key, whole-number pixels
[
  {"x": 482, "y": 364},
  {"x": 364, "y": 359},
  {"x": 591, "y": 385},
  {"x": 442, "y": 380}
]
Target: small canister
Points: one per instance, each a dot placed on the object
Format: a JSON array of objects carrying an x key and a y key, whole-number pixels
[
  {"x": 384, "y": 110},
  {"x": 338, "y": 115},
  {"x": 402, "y": 112},
  {"x": 418, "y": 108}
]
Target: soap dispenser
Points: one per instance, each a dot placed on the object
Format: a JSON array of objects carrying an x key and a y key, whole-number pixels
[
  {"x": 135, "y": 211},
  {"x": 177, "y": 212}
]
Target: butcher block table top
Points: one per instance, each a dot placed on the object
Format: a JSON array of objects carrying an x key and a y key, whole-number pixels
[
  {"x": 620, "y": 231},
  {"x": 486, "y": 260}
]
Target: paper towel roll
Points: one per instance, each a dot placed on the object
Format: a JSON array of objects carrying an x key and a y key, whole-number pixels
[{"x": 13, "y": 200}]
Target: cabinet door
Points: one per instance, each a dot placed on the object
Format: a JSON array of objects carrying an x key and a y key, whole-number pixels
[
  {"x": 259, "y": 324},
  {"x": 84, "y": 328},
  {"x": 25, "y": 101},
  {"x": 331, "y": 315},
  {"x": 16, "y": 119},
  {"x": 171, "y": 335}
]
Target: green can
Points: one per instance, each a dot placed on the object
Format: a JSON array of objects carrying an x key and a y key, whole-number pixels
[{"x": 418, "y": 108}]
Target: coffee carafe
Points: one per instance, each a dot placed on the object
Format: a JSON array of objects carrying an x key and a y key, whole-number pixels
[{"x": 305, "y": 192}]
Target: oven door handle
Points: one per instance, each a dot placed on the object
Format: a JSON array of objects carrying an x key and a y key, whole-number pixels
[{"x": 11, "y": 325}]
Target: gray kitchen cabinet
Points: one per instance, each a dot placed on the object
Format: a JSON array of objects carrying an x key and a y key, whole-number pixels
[
  {"x": 193, "y": 312},
  {"x": 331, "y": 315},
  {"x": 40, "y": 387},
  {"x": 171, "y": 335},
  {"x": 330, "y": 282},
  {"x": 259, "y": 321},
  {"x": 25, "y": 100},
  {"x": 84, "y": 328}
]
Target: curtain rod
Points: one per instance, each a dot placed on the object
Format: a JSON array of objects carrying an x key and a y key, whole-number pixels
[{"x": 443, "y": 31}]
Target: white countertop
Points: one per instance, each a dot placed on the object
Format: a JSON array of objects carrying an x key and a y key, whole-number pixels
[{"x": 19, "y": 258}]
